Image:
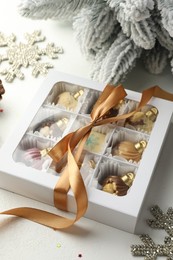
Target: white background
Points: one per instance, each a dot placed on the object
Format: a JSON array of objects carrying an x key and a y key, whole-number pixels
[{"x": 23, "y": 240}]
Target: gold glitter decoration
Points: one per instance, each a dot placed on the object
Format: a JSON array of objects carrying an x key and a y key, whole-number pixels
[{"x": 149, "y": 249}]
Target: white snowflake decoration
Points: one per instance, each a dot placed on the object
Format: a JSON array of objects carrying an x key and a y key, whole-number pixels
[{"x": 26, "y": 54}]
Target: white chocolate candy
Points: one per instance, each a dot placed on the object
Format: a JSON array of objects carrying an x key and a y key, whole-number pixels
[
  {"x": 32, "y": 154},
  {"x": 36, "y": 158},
  {"x": 95, "y": 142},
  {"x": 52, "y": 128},
  {"x": 67, "y": 100},
  {"x": 45, "y": 131}
]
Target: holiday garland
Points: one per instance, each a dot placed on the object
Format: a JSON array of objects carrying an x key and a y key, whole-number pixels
[{"x": 114, "y": 33}]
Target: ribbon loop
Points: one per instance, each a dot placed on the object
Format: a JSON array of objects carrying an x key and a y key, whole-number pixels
[{"x": 109, "y": 98}]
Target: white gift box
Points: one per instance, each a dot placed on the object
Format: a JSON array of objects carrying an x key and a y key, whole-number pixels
[{"x": 122, "y": 212}]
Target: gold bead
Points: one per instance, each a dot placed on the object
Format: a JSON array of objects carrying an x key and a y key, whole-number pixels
[
  {"x": 152, "y": 113},
  {"x": 128, "y": 178},
  {"x": 62, "y": 121},
  {"x": 140, "y": 146},
  {"x": 78, "y": 94},
  {"x": 45, "y": 151}
]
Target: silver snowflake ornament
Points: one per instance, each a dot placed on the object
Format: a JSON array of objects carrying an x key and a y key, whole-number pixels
[
  {"x": 26, "y": 54},
  {"x": 162, "y": 220},
  {"x": 151, "y": 251}
]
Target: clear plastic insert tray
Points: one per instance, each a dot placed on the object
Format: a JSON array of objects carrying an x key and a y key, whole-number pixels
[{"x": 67, "y": 108}]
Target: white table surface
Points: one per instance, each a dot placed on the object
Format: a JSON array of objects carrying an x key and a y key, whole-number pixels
[{"x": 21, "y": 239}]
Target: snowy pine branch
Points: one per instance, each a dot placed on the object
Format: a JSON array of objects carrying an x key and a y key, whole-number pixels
[
  {"x": 156, "y": 59},
  {"x": 113, "y": 33},
  {"x": 140, "y": 32},
  {"x": 54, "y": 9},
  {"x": 132, "y": 10},
  {"x": 93, "y": 26},
  {"x": 162, "y": 34},
  {"x": 166, "y": 10},
  {"x": 119, "y": 60}
]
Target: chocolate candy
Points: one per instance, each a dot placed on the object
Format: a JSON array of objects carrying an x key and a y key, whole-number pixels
[
  {"x": 130, "y": 150},
  {"x": 68, "y": 100},
  {"x": 143, "y": 121},
  {"x": 95, "y": 142},
  {"x": 118, "y": 185},
  {"x": 50, "y": 127}
]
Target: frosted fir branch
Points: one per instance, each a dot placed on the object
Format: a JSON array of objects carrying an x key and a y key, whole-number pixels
[
  {"x": 166, "y": 10},
  {"x": 53, "y": 9},
  {"x": 119, "y": 60},
  {"x": 96, "y": 24},
  {"x": 141, "y": 33},
  {"x": 93, "y": 26},
  {"x": 156, "y": 59},
  {"x": 132, "y": 10},
  {"x": 99, "y": 57},
  {"x": 134, "y": 17},
  {"x": 162, "y": 34},
  {"x": 114, "y": 4}
]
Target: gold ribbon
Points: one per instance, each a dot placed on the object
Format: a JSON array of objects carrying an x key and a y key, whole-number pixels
[{"x": 71, "y": 177}]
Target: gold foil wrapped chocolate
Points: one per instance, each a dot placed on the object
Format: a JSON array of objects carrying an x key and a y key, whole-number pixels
[
  {"x": 118, "y": 185},
  {"x": 68, "y": 100},
  {"x": 129, "y": 150}
]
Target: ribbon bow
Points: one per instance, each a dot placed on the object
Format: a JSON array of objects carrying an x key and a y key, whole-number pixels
[{"x": 71, "y": 177}]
